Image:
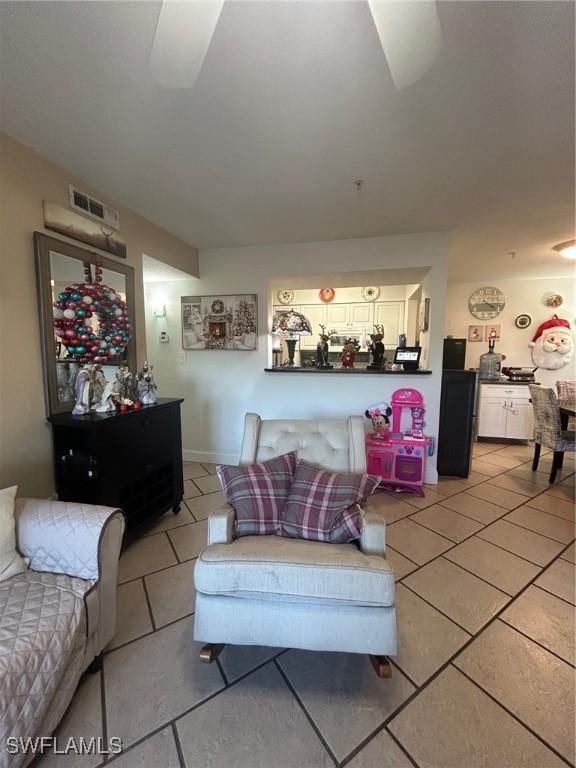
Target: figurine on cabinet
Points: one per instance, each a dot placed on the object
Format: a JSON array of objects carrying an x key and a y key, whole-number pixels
[
  {"x": 351, "y": 346},
  {"x": 83, "y": 387},
  {"x": 146, "y": 385},
  {"x": 116, "y": 393},
  {"x": 64, "y": 381},
  {"x": 322, "y": 349},
  {"x": 376, "y": 348},
  {"x": 107, "y": 402},
  {"x": 124, "y": 386},
  {"x": 98, "y": 386}
]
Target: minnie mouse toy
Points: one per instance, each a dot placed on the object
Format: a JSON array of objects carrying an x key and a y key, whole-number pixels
[{"x": 379, "y": 415}]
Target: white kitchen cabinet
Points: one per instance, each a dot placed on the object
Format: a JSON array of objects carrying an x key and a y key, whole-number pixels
[
  {"x": 492, "y": 418},
  {"x": 520, "y": 420},
  {"x": 505, "y": 411},
  {"x": 353, "y": 316},
  {"x": 316, "y": 314},
  {"x": 337, "y": 315},
  {"x": 361, "y": 314},
  {"x": 390, "y": 314}
]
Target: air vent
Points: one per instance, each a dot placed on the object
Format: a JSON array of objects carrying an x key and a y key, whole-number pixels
[{"x": 92, "y": 207}]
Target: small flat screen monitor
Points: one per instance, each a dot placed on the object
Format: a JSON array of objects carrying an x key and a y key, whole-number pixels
[{"x": 409, "y": 357}]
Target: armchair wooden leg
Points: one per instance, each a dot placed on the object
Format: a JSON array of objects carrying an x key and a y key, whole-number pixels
[
  {"x": 382, "y": 666},
  {"x": 210, "y": 652}
]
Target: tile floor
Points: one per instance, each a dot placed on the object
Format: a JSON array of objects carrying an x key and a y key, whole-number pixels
[{"x": 484, "y": 676}]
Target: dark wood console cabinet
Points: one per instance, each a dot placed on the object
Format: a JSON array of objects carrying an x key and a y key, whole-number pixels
[{"x": 128, "y": 460}]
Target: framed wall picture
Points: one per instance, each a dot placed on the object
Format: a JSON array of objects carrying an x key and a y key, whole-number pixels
[
  {"x": 220, "y": 322},
  {"x": 475, "y": 332},
  {"x": 424, "y": 316},
  {"x": 492, "y": 332},
  {"x": 94, "y": 233}
]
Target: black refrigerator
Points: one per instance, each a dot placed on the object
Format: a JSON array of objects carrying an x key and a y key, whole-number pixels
[
  {"x": 456, "y": 429},
  {"x": 454, "y": 357}
]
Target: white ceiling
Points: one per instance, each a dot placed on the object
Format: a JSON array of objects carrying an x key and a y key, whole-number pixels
[{"x": 295, "y": 102}]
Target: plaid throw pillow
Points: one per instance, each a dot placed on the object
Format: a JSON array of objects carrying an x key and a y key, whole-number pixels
[
  {"x": 323, "y": 506},
  {"x": 258, "y": 493}
]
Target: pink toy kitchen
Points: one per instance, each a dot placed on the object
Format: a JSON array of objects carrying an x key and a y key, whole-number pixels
[{"x": 398, "y": 453}]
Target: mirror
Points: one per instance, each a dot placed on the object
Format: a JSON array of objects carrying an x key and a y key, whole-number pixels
[{"x": 86, "y": 315}]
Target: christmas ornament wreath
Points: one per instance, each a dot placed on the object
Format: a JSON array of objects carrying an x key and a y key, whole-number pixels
[{"x": 73, "y": 311}]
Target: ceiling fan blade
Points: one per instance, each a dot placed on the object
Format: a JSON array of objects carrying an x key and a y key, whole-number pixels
[
  {"x": 410, "y": 34},
  {"x": 183, "y": 35}
]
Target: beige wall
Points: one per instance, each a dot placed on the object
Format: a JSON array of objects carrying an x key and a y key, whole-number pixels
[
  {"x": 26, "y": 179},
  {"x": 220, "y": 387},
  {"x": 522, "y": 297}
]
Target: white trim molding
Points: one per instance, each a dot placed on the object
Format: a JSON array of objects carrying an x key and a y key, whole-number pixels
[{"x": 210, "y": 457}]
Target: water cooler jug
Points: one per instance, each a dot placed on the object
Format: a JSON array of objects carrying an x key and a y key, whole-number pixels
[{"x": 490, "y": 364}]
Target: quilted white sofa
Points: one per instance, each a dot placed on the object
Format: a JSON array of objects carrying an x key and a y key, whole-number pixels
[
  {"x": 56, "y": 617},
  {"x": 268, "y": 590}
]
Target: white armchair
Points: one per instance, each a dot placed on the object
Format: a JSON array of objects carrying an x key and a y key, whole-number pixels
[{"x": 269, "y": 590}]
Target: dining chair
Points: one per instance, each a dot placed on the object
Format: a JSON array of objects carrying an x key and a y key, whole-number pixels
[
  {"x": 548, "y": 430},
  {"x": 567, "y": 391}
]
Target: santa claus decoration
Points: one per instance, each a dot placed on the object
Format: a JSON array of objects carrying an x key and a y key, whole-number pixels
[{"x": 553, "y": 344}]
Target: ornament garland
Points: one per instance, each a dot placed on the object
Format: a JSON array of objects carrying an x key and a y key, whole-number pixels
[{"x": 73, "y": 311}]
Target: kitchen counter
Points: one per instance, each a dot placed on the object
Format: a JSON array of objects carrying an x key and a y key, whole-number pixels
[
  {"x": 506, "y": 382},
  {"x": 346, "y": 371}
]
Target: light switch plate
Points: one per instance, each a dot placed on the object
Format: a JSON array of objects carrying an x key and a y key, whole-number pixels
[{"x": 181, "y": 357}]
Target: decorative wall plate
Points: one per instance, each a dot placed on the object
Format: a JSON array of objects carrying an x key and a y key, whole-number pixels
[
  {"x": 486, "y": 303},
  {"x": 285, "y": 296},
  {"x": 552, "y": 299},
  {"x": 522, "y": 321},
  {"x": 326, "y": 295},
  {"x": 370, "y": 293}
]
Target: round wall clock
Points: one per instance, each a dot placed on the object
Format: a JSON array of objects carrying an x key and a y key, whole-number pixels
[
  {"x": 327, "y": 295},
  {"x": 285, "y": 296},
  {"x": 522, "y": 321},
  {"x": 370, "y": 293},
  {"x": 552, "y": 299},
  {"x": 486, "y": 303}
]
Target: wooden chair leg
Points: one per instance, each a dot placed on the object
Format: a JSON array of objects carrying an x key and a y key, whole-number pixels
[
  {"x": 382, "y": 666},
  {"x": 556, "y": 465},
  {"x": 210, "y": 652},
  {"x": 536, "y": 458}
]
